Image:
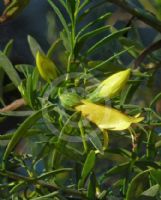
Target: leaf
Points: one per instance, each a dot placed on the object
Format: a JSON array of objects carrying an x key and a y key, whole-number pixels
[
  {"x": 87, "y": 168},
  {"x": 53, "y": 48},
  {"x": 7, "y": 136},
  {"x": 18, "y": 187},
  {"x": 155, "y": 99},
  {"x": 152, "y": 191},
  {"x": 66, "y": 43},
  {"x": 63, "y": 21},
  {"x": 9, "y": 69},
  {"x": 25, "y": 69},
  {"x": 29, "y": 91},
  {"x": 105, "y": 62},
  {"x": 53, "y": 173},
  {"x": 8, "y": 48},
  {"x": 90, "y": 34},
  {"x": 22, "y": 129},
  {"x": 98, "y": 20},
  {"x": 47, "y": 196},
  {"x": 85, "y": 2},
  {"x": 148, "y": 6},
  {"x": 144, "y": 164},
  {"x": 130, "y": 91},
  {"x": 126, "y": 43},
  {"x": 95, "y": 140},
  {"x": 110, "y": 67},
  {"x": 138, "y": 185},
  {"x": 34, "y": 46},
  {"x": 121, "y": 169},
  {"x": 92, "y": 188},
  {"x": 89, "y": 9},
  {"x": 17, "y": 113},
  {"x": 105, "y": 40},
  {"x": 68, "y": 151},
  {"x": 156, "y": 175},
  {"x": 71, "y": 4}
]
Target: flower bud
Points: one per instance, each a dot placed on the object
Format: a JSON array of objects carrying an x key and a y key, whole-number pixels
[
  {"x": 69, "y": 100},
  {"x": 107, "y": 118},
  {"x": 111, "y": 86},
  {"x": 46, "y": 67}
]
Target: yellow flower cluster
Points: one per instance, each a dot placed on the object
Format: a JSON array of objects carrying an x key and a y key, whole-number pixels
[
  {"x": 107, "y": 118},
  {"x": 104, "y": 117}
]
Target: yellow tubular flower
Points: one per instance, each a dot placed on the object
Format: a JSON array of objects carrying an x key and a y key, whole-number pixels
[
  {"x": 111, "y": 86},
  {"x": 106, "y": 117},
  {"x": 46, "y": 67}
]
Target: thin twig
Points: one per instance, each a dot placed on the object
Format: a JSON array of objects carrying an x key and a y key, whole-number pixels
[
  {"x": 147, "y": 51},
  {"x": 51, "y": 187},
  {"x": 14, "y": 105},
  {"x": 150, "y": 20}
]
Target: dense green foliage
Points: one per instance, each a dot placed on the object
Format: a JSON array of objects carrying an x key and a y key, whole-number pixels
[{"x": 55, "y": 152}]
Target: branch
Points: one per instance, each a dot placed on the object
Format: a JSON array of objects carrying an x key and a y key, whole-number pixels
[
  {"x": 51, "y": 187},
  {"x": 14, "y": 105},
  {"x": 6, "y": 2},
  {"x": 146, "y": 18},
  {"x": 153, "y": 47}
]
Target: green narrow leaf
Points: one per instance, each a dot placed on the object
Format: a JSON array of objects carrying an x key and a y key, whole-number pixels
[
  {"x": 138, "y": 185},
  {"x": 25, "y": 69},
  {"x": 87, "y": 168},
  {"x": 53, "y": 173},
  {"x": 66, "y": 43},
  {"x": 29, "y": 90},
  {"x": 92, "y": 33},
  {"x": 53, "y": 48},
  {"x": 17, "y": 113},
  {"x": 105, "y": 40},
  {"x": 22, "y": 129},
  {"x": 116, "y": 170},
  {"x": 7, "y": 136},
  {"x": 68, "y": 151},
  {"x": 84, "y": 4},
  {"x": 89, "y": 35},
  {"x": 9, "y": 69},
  {"x": 132, "y": 88},
  {"x": 156, "y": 175},
  {"x": 18, "y": 187},
  {"x": 71, "y": 4},
  {"x": 98, "y": 20},
  {"x": 95, "y": 140},
  {"x": 52, "y": 194},
  {"x": 152, "y": 191},
  {"x": 155, "y": 99},
  {"x": 89, "y": 9},
  {"x": 115, "y": 56},
  {"x": 8, "y": 48},
  {"x": 67, "y": 7},
  {"x": 34, "y": 46},
  {"x": 92, "y": 188},
  {"x": 63, "y": 21}
]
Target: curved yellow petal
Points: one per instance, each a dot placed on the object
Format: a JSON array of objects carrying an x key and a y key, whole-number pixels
[
  {"x": 46, "y": 67},
  {"x": 106, "y": 117}
]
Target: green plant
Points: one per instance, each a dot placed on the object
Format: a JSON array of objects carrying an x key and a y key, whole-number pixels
[{"x": 69, "y": 154}]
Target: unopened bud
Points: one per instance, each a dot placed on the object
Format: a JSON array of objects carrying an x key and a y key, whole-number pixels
[{"x": 46, "y": 67}]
